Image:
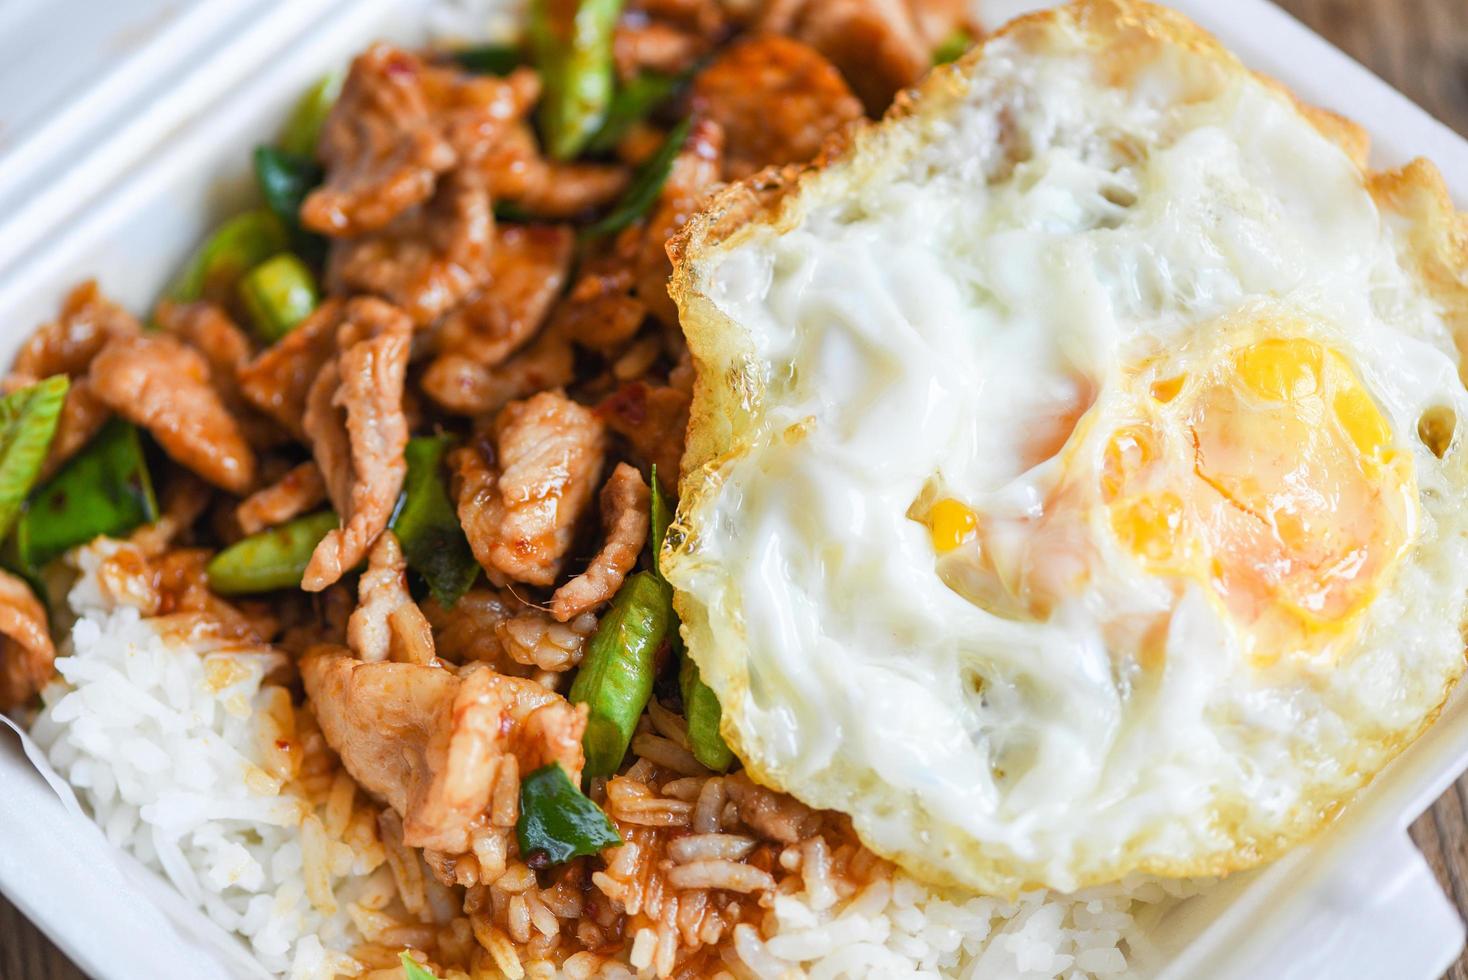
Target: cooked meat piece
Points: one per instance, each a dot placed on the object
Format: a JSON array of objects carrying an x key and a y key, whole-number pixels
[
  {"x": 495, "y": 628},
  {"x": 27, "y": 658},
  {"x": 209, "y": 330},
  {"x": 772, "y": 815},
  {"x": 695, "y": 172},
  {"x": 465, "y": 387},
  {"x": 536, "y": 640},
  {"x": 398, "y": 124},
  {"x": 521, "y": 519},
  {"x": 517, "y": 173},
  {"x": 66, "y": 346},
  {"x": 429, "y": 259},
  {"x": 624, "y": 520},
  {"x": 299, "y": 491},
  {"x": 387, "y": 623},
  {"x": 654, "y": 419},
  {"x": 277, "y": 380},
  {"x": 878, "y": 44},
  {"x": 163, "y": 385},
  {"x": 600, "y": 311},
  {"x": 355, "y": 422},
  {"x": 184, "y": 598},
  {"x": 776, "y": 99},
  {"x": 468, "y": 632},
  {"x": 640, "y": 46},
  {"x": 431, "y": 742},
  {"x": 526, "y": 272}
]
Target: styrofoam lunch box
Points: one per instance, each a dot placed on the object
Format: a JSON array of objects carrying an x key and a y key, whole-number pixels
[{"x": 125, "y": 132}]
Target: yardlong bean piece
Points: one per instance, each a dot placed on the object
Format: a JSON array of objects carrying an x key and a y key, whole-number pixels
[
  {"x": 239, "y": 245},
  {"x": 617, "y": 672},
  {"x": 571, "y": 45},
  {"x": 278, "y": 294},
  {"x": 270, "y": 560}
]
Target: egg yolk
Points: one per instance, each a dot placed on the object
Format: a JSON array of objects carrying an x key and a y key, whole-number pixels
[
  {"x": 951, "y": 523},
  {"x": 1272, "y": 479}
]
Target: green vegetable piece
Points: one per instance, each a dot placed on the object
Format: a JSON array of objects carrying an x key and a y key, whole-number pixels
[
  {"x": 427, "y": 525},
  {"x": 702, "y": 713},
  {"x": 278, "y": 294},
  {"x": 616, "y": 674},
  {"x": 953, "y": 46},
  {"x": 571, "y": 45},
  {"x": 238, "y": 246},
  {"x": 657, "y": 527},
  {"x": 270, "y": 560},
  {"x": 284, "y": 180},
  {"x": 412, "y": 969},
  {"x": 631, "y": 104},
  {"x": 27, "y": 423},
  {"x": 303, "y": 128},
  {"x": 489, "y": 59},
  {"x": 646, "y": 185},
  {"x": 104, "y": 489},
  {"x": 558, "y": 820}
]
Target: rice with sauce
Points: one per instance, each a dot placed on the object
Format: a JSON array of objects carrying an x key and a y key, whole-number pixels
[{"x": 190, "y": 758}]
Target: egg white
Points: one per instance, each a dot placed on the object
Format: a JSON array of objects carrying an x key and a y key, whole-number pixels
[{"x": 1096, "y": 189}]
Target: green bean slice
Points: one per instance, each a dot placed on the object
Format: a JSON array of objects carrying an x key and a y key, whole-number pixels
[
  {"x": 303, "y": 127},
  {"x": 616, "y": 676},
  {"x": 571, "y": 45},
  {"x": 278, "y": 294},
  {"x": 953, "y": 46},
  {"x": 702, "y": 713},
  {"x": 235, "y": 248},
  {"x": 273, "y": 559}
]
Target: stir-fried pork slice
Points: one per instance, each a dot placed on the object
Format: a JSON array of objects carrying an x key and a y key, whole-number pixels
[
  {"x": 526, "y": 272},
  {"x": 429, "y": 258},
  {"x": 600, "y": 311},
  {"x": 387, "y": 624},
  {"x": 164, "y": 386},
  {"x": 521, "y": 519},
  {"x": 300, "y": 490},
  {"x": 210, "y": 331},
  {"x": 776, "y": 99},
  {"x": 278, "y": 379},
  {"x": 695, "y": 172},
  {"x": 66, "y": 345},
  {"x": 772, "y": 815},
  {"x": 666, "y": 36},
  {"x": 355, "y": 422},
  {"x": 465, "y": 387},
  {"x": 624, "y": 520},
  {"x": 398, "y": 124},
  {"x": 493, "y": 627},
  {"x": 517, "y": 173},
  {"x": 27, "y": 657},
  {"x": 654, "y": 420},
  {"x": 432, "y": 742}
]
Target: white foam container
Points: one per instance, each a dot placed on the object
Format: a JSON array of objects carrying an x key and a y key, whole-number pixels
[{"x": 117, "y": 163}]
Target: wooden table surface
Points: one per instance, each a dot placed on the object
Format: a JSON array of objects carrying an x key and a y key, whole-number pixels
[{"x": 1421, "y": 48}]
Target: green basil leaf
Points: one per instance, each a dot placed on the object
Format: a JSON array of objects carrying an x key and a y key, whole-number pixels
[
  {"x": 412, "y": 969},
  {"x": 27, "y": 425},
  {"x": 489, "y": 59},
  {"x": 104, "y": 489},
  {"x": 558, "y": 820},
  {"x": 646, "y": 185},
  {"x": 633, "y": 102},
  {"x": 285, "y": 179},
  {"x": 953, "y": 46},
  {"x": 427, "y": 524}
]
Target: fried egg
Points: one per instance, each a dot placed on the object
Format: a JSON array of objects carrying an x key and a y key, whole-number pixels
[{"x": 1076, "y": 483}]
